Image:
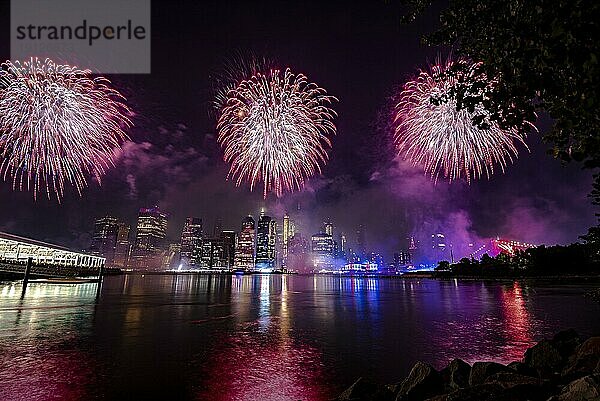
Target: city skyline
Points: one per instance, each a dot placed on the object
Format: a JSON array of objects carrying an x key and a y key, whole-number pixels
[
  {"x": 272, "y": 243},
  {"x": 173, "y": 158}
]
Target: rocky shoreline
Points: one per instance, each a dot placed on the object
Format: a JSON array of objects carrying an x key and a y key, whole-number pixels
[{"x": 565, "y": 368}]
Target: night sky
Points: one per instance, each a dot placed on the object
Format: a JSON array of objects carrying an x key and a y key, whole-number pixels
[{"x": 361, "y": 53}]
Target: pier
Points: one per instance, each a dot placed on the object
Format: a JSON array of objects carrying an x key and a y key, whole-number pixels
[{"x": 29, "y": 258}]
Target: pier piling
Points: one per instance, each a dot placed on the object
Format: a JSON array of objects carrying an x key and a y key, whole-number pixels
[
  {"x": 26, "y": 276},
  {"x": 100, "y": 277}
]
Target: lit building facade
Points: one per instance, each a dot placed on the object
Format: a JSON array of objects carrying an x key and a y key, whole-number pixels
[
  {"x": 150, "y": 246},
  {"x": 228, "y": 238},
  {"x": 439, "y": 247},
  {"x": 122, "y": 247},
  {"x": 104, "y": 239},
  {"x": 360, "y": 267},
  {"x": 244, "y": 249},
  {"x": 191, "y": 242},
  {"x": 322, "y": 250},
  {"x": 285, "y": 236},
  {"x": 402, "y": 259},
  {"x": 266, "y": 237},
  {"x": 214, "y": 254},
  {"x": 343, "y": 243}
]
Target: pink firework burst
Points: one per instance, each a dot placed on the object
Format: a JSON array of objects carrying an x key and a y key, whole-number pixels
[
  {"x": 432, "y": 132},
  {"x": 58, "y": 125},
  {"x": 275, "y": 128}
]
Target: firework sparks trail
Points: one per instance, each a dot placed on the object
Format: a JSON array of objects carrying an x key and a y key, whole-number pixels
[
  {"x": 236, "y": 68},
  {"x": 58, "y": 125},
  {"x": 431, "y": 132},
  {"x": 275, "y": 128}
]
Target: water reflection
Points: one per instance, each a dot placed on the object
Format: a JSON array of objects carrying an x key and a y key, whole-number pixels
[
  {"x": 261, "y": 337},
  {"x": 40, "y": 356},
  {"x": 484, "y": 321},
  {"x": 264, "y": 311},
  {"x": 261, "y": 359},
  {"x": 517, "y": 321}
]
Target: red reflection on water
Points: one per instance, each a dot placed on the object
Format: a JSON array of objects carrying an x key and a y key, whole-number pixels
[
  {"x": 517, "y": 322},
  {"x": 248, "y": 368},
  {"x": 45, "y": 375},
  {"x": 263, "y": 362}
]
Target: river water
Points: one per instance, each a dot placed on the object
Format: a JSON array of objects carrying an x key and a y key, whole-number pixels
[{"x": 260, "y": 337}]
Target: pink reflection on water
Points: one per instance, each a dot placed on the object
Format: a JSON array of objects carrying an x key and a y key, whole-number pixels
[
  {"x": 251, "y": 369},
  {"x": 44, "y": 375},
  {"x": 483, "y": 324},
  {"x": 517, "y": 322},
  {"x": 263, "y": 362}
]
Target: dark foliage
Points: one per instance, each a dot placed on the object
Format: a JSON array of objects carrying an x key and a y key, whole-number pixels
[
  {"x": 546, "y": 56},
  {"x": 540, "y": 261}
]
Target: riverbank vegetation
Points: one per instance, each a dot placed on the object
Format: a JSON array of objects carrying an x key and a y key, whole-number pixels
[{"x": 574, "y": 259}]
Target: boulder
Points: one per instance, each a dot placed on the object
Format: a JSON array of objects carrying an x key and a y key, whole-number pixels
[
  {"x": 522, "y": 369},
  {"x": 586, "y": 388},
  {"x": 511, "y": 379},
  {"x": 456, "y": 374},
  {"x": 479, "y": 392},
  {"x": 566, "y": 342},
  {"x": 422, "y": 382},
  {"x": 585, "y": 359},
  {"x": 544, "y": 358},
  {"x": 364, "y": 390},
  {"x": 519, "y": 387},
  {"x": 482, "y": 370}
]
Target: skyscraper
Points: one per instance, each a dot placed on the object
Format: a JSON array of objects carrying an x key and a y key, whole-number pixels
[
  {"x": 213, "y": 254},
  {"x": 150, "y": 238},
  {"x": 413, "y": 245},
  {"x": 413, "y": 248},
  {"x": 438, "y": 247},
  {"x": 228, "y": 238},
  {"x": 104, "y": 239},
  {"x": 342, "y": 247},
  {"x": 402, "y": 259},
  {"x": 191, "y": 242},
  {"x": 123, "y": 246},
  {"x": 288, "y": 233},
  {"x": 244, "y": 250},
  {"x": 322, "y": 248},
  {"x": 266, "y": 236}
]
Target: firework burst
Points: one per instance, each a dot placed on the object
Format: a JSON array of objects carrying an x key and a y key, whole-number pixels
[
  {"x": 238, "y": 66},
  {"x": 58, "y": 125},
  {"x": 433, "y": 132},
  {"x": 274, "y": 128}
]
